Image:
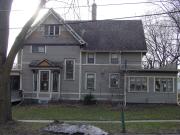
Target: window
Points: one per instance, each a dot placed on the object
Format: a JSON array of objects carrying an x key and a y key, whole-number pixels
[
  {"x": 114, "y": 58},
  {"x": 44, "y": 81},
  {"x": 114, "y": 80},
  {"x": 138, "y": 84},
  {"x": 35, "y": 78},
  {"x": 69, "y": 69},
  {"x": 55, "y": 81},
  {"x": 52, "y": 30},
  {"x": 38, "y": 48},
  {"x": 90, "y": 81},
  {"x": 14, "y": 82},
  {"x": 90, "y": 58},
  {"x": 164, "y": 85}
]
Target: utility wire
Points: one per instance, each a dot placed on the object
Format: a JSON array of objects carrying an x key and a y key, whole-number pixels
[
  {"x": 128, "y": 17},
  {"x": 101, "y": 5}
]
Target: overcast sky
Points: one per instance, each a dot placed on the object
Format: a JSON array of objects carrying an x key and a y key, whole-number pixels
[{"x": 23, "y": 9}]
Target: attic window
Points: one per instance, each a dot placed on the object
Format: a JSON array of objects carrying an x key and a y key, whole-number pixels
[{"x": 52, "y": 30}]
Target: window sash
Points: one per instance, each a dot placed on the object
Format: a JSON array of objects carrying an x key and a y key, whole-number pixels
[
  {"x": 114, "y": 80},
  {"x": 114, "y": 58},
  {"x": 38, "y": 48},
  {"x": 44, "y": 81},
  {"x": 90, "y": 81},
  {"x": 69, "y": 70},
  {"x": 55, "y": 82},
  {"x": 164, "y": 85},
  {"x": 91, "y": 58},
  {"x": 52, "y": 30},
  {"x": 35, "y": 81},
  {"x": 138, "y": 84}
]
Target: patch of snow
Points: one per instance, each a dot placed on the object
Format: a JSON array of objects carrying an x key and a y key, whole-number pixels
[{"x": 72, "y": 129}]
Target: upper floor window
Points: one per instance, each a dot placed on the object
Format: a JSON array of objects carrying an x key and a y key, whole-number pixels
[
  {"x": 38, "y": 48},
  {"x": 114, "y": 80},
  {"x": 69, "y": 69},
  {"x": 114, "y": 58},
  {"x": 90, "y": 58},
  {"x": 52, "y": 30},
  {"x": 138, "y": 84},
  {"x": 164, "y": 85}
]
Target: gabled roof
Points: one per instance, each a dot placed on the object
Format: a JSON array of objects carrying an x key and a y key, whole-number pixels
[
  {"x": 45, "y": 63},
  {"x": 104, "y": 35},
  {"x": 61, "y": 21},
  {"x": 111, "y": 35}
]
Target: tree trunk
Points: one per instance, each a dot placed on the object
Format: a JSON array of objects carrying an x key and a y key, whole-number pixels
[
  {"x": 5, "y": 107},
  {"x": 5, "y": 98},
  {"x": 6, "y": 62}
]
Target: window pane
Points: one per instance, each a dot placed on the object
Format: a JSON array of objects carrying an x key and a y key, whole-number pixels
[
  {"x": 114, "y": 80},
  {"x": 57, "y": 30},
  {"x": 55, "y": 81},
  {"x": 138, "y": 84},
  {"x": 44, "y": 81},
  {"x": 91, "y": 58},
  {"x": 51, "y": 30},
  {"x": 164, "y": 85},
  {"x": 114, "y": 58},
  {"x": 35, "y": 81},
  {"x": 46, "y": 32},
  {"x": 90, "y": 81},
  {"x": 38, "y": 49},
  {"x": 69, "y": 69}
]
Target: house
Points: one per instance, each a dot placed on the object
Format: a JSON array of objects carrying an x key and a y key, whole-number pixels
[{"x": 66, "y": 60}]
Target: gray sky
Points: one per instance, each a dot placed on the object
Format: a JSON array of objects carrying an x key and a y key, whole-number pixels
[{"x": 27, "y": 7}]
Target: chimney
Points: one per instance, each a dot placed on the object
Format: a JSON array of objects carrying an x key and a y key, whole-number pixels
[{"x": 94, "y": 8}]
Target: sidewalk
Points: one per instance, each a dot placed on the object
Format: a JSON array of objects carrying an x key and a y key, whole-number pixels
[{"x": 76, "y": 121}]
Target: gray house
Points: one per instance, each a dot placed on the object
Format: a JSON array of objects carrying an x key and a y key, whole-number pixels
[{"x": 66, "y": 60}]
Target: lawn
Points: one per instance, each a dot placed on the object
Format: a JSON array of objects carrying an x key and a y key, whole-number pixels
[{"x": 95, "y": 112}]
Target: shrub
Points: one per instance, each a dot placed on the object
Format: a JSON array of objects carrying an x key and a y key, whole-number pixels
[{"x": 89, "y": 100}]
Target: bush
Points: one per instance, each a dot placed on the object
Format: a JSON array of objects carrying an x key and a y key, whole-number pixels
[{"x": 89, "y": 100}]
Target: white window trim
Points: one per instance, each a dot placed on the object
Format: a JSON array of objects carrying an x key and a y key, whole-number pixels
[
  {"x": 165, "y": 77},
  {"x": 58, "y": 90},
  {"x": 138, "y": 91},
  {"x": 40, "y": 81},
  {"x": 86, "y": 79},
  {"x": 73, "y": 70},
  {"x": 119, "y": 58},
  {"x": 94, "y": 58},
  {"x": 38, "y": 52},
  {"x": 110, "y": 80}
]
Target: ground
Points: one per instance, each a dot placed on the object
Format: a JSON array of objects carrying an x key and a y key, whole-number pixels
[{"x": 94, "y": 113}]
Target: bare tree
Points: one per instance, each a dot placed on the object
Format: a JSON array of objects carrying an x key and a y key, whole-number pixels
[
  {"x": 172, "y": 6},
  {"x": 6, "y": 61},
  {"x": 162, "y": 42}
]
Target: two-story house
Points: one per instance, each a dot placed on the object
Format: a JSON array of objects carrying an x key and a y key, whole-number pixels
[{"x": 66, "y": 60}]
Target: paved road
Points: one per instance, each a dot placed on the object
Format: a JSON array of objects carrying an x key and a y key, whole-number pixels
[{"x": 75, "y": 121}]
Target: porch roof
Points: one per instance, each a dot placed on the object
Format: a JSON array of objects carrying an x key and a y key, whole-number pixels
[{"x": 46, "y": 63}]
